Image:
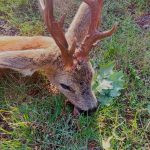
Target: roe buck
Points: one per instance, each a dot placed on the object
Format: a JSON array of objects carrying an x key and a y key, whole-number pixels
[{"x": 64, "y": 57}]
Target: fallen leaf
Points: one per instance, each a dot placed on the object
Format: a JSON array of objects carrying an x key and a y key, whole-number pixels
[{"x": 106, "y": 143}]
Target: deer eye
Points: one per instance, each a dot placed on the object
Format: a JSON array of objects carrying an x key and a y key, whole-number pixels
[{"x": 66, "y": 87}]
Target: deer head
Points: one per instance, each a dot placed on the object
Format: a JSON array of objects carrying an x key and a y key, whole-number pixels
[{"x": 65, "y": 62}]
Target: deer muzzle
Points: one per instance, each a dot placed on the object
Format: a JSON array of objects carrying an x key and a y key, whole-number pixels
[{"x": 86, "y": 104}]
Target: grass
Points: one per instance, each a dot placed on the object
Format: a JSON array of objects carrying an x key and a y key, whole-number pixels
[{"x": 32, "y": 118}]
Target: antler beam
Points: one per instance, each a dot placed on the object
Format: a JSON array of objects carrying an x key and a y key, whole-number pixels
[{"x": 56, "y": 30}]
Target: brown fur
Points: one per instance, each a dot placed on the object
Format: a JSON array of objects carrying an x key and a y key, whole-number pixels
[{"x": 10, "y": 43}]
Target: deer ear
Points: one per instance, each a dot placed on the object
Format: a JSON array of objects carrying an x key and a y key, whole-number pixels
[{"x": 25, "y": 62}]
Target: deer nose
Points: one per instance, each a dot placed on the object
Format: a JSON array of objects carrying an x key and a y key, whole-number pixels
[
  {"x": 88, "y": 112},
  {"x": 91, "y": 111}
]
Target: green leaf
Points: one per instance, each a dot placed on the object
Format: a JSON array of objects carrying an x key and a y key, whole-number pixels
[
  {"x": 105, "y": 100},
  {"x": 117, "y": 76},
  {"x": 106, "y": 70},
  {"x": 115, "y": 92},
  {"x": 108, "y": 83}
]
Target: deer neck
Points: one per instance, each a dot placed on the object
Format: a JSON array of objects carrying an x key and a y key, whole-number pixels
[
  {"x": 52, "y": 62},
  {"x": 79, "y": 25}
]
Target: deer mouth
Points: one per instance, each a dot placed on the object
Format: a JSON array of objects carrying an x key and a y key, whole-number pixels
[{"x": 77, "y": 111}]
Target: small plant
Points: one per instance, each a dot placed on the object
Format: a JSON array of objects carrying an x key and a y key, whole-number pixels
[{"x": 108, "y": 83}]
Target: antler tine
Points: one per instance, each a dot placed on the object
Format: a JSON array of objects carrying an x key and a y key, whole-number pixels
[
  {"x": 93, "y": 34},
  {"x": 56, "y": 30}
]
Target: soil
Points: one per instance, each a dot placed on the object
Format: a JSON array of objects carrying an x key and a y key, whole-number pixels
[
  {"x": 144, "y": 21},
  {"x": 4, "y": 124},
  {"x": 132, "y": 8},
  {"x": 92, "y": 145},
  {"x": 6, "y": 29}
]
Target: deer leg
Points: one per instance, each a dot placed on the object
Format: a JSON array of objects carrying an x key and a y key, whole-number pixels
[
  {"x": 76, "y": 112},
  {"x": 80, "y": 24}
]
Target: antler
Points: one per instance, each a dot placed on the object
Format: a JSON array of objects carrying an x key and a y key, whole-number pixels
[
  {"x": 56, "y": 30},
  {"x": 90, "y": 40},
  {"x": 93, "y": 35}
]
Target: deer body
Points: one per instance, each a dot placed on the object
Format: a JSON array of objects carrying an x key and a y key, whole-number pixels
[
  {"x": 55, "y": 55},
  {"x": 10, "y": 43}
]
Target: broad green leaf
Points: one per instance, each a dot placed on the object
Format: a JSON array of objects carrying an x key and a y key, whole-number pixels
[
  {"x": 115, "y": 93},
  {"x": 105, "y": 101},
  {"x": 106, "y": 70},
  {"x": 108, "y": 83},
  {"x": 116, "y": 76},
  {"x": 105, "y": 84}
]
